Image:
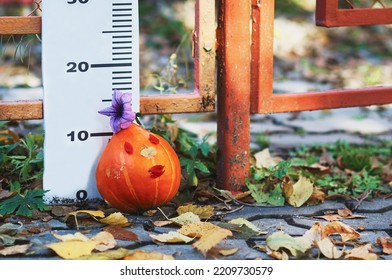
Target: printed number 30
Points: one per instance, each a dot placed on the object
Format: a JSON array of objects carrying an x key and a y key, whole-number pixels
[{"x": 80, "y": 1}]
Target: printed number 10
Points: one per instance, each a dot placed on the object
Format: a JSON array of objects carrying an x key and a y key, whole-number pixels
[{"x": 81, "y": 135}]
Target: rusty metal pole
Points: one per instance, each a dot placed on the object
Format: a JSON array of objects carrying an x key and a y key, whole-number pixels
[{"x": 233, "y": 105}]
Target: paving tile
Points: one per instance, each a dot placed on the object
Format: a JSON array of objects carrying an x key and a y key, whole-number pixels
[{"x": 373, "y": 221}]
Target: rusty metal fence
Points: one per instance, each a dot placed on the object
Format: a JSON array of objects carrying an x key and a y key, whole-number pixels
[
  {"x": 333, "y": 13},
  {"x": 245, "y": 73}
]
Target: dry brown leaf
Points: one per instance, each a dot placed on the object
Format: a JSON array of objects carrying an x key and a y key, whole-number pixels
[
  {"x": 345, "y": 212},
  {"x": 204, "y": 212},
  {"x": 386, "y": 244},
  {"x": 120, "y": 233},
  {"x": 162, "y": 223},
  {"x": 317, "y": 197},
  {"x": 347, "y": 233},
  {"x": 61, "y": 210},
  {"x": 150, "y": 213},
  {"x": 171, "y": 237},
  {"x": 8, "y": 136},
  {"x": 6, "y": 194},
  {"x": 328, "y": 249},
  {"x": 16, "y": 249},
  {"x": 363, "y": 252},
  {"x": 318, "y": 168},
  {"x": 116, "y": 219},
  {"x": 142, "y": 255},
  {"x": 279, "y": 255},
  {"x": 329, "y": 218}
]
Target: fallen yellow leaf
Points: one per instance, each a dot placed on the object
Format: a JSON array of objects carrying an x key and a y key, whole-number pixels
[
  {"x": 312, "y": 235},
  {"x": 116, "y": 219},
  {"x": 297, "y": 194},
  {"x": 243, "y": 222},
  {"x": 78, "y": 245},
  {"x": 197, "y": 229},
  {"x": 141, "y": 255},
  {"x": 73, "y": 249},
  {"x": 204, "y": 212},
  {"x": 264, "y": 159},
  {"x": 280, "y": 239},
  {"x": 209, "y": 234},
  {"x": 171, "y": 237},
  {"x": 93, "y": 213},
  {"x": 328, "y": 249},
  {"x": 210, "y": 239},
  {"x": 228, "y": 252},
  {"x": 71, "y": 237},
  {"x": 361, "y": 253},
  {"x": 186, "y": 218},
  {"x": 117, "y": 254},
  {"x": 105, "y": 241}
]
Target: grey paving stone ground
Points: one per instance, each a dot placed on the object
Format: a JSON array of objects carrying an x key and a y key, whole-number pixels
[
  {"x": 318, "y": 128},
  {"x": 293, "y": 221}
]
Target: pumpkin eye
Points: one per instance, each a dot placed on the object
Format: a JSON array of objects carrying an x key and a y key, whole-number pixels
[
  {"x": 156, "y": 171},
  {"x": 128, "y": 148},
  {"x": 153, "y": 139}
]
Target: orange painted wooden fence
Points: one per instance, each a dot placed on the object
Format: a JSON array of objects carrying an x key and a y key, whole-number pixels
[{"x": 244, "y": 74}]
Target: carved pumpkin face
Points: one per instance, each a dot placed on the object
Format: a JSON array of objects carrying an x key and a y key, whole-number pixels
[{"x": 137, "y": 170}]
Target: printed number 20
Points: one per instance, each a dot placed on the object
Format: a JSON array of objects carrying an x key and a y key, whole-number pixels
[{"x": 75, "y": 67}]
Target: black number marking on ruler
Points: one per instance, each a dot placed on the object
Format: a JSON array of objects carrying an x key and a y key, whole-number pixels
[
  {"x": 76, "y": 1},
  {"x": 75, "y": 67},
  {"x": 83, "y": 135},
  {"x": 81, "y": 195}
]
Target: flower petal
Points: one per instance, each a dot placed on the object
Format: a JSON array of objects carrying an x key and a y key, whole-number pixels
[
  {"x": 109, "y": 111},
  {"x": 115, "y": 123}
]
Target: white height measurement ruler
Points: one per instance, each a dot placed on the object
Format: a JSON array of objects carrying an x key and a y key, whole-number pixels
[{"x": 90, "y": 48}]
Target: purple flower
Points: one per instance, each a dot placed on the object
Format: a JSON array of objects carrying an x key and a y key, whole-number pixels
[{"x": 120, "y": 113}]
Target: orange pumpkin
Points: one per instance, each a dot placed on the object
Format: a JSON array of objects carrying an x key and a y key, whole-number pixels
[{"x": 137, "y": 170}]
